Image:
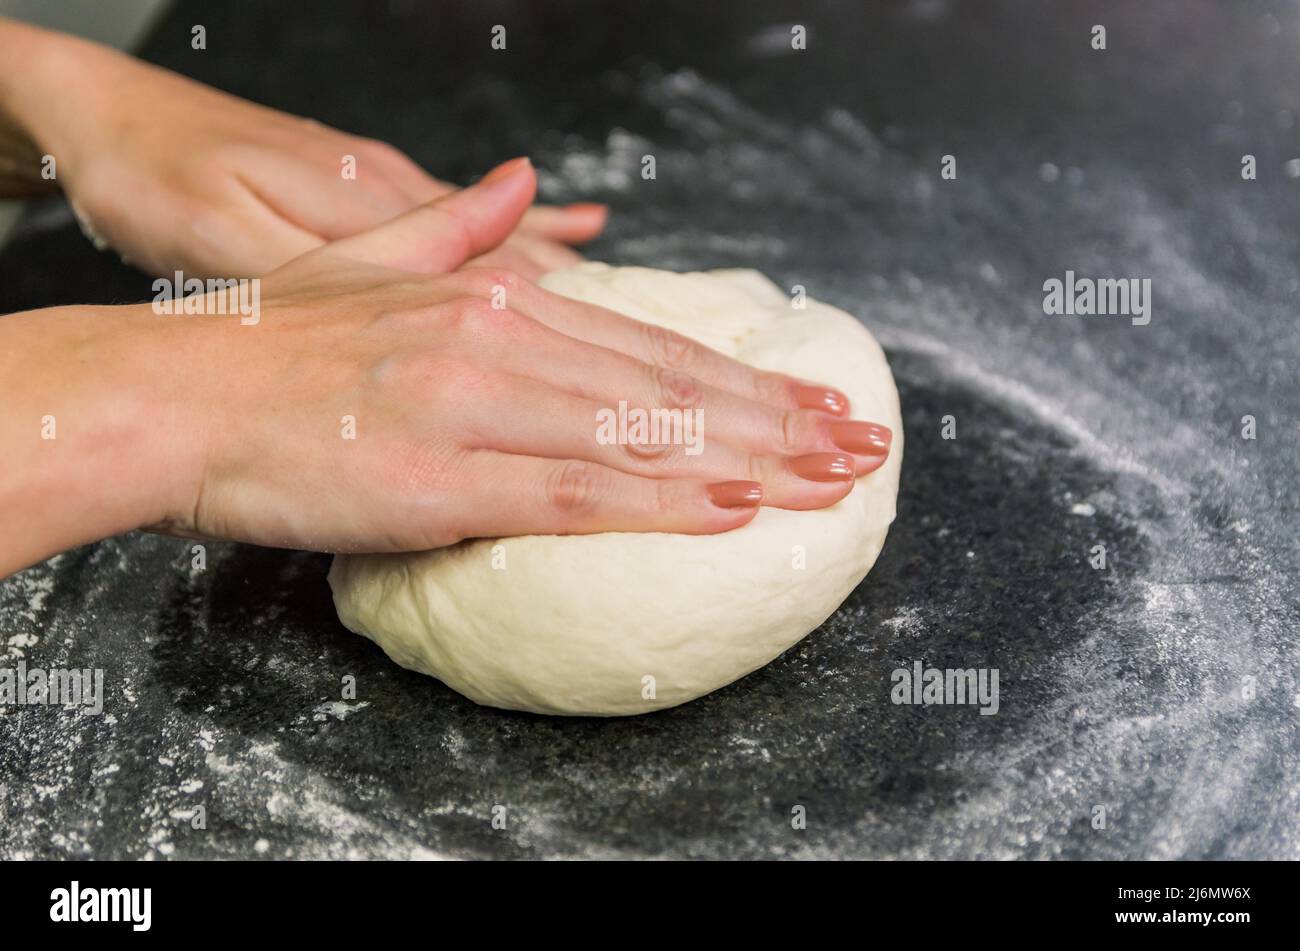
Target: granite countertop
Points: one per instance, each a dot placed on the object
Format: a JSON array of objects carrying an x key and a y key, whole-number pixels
[{"x": 1162, "y": 688}]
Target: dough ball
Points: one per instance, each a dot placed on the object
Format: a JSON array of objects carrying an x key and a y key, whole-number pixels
[{"x": 626, "y": 623}]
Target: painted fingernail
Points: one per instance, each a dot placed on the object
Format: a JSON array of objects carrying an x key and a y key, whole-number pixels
[
  {"x": 869, "y": 464},
  {"x": 864, "y": 439},
  {"x": 736, "y": 495},
  {"x": 812, "y": 396},
  {"x": 506, "y": 169},
  {"x": 822, "y": 467}
]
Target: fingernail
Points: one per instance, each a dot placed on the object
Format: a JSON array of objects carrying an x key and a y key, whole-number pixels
[
  {"x": 506, "y": 169},
  {"x": 736, "y": 495},
  {"x": 812, "y": 396},
  {"x": 865, "y": 439},
  {"x": 869, "y": 464},
  {"x": 822, "y": 467}
]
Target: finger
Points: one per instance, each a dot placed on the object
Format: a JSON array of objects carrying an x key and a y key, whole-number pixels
[
  {"x": 524, "y": 495},
  {"x": 571, "y": 224},
  {"x": 660, "y": 347},
  {"x": 515, "y": 343},
  {"x": 542, "y": 256},
  {"x": 510, "y": 257},
  {"x": 442, "y": 235},
  {"x": 528, "y": 257},
  {"x": 550, "y": 423},
  {"x": 511, "y": 340},
  {"x": 550, "y": 255}
]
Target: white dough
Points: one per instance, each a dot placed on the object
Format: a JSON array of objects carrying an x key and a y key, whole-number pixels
[{"x": 576, "y": 624}]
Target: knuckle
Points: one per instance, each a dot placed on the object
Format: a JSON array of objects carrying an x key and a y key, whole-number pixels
[
  {"x": 660, "y": 456},
  {"x": 668, "y": 497},
  {"x": 477, "y": 319},
  {"x": 787, "y": 434},
  {"x": 496, "y": 277},
  {"x": 576, "y": 488},
  {"x": 677, "y": 390},
  {"x": 489, "y": 281},
  {"x": 670, "y": 349}
]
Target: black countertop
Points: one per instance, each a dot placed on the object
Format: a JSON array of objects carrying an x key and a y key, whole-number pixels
[{"x": 1163, "y": 688}]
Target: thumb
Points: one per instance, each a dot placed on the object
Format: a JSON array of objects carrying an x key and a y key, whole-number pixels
[{"x": 445, "y": 233}]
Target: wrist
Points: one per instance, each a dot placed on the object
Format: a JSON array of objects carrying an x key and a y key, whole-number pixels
[{"x": 97, "y": 449}]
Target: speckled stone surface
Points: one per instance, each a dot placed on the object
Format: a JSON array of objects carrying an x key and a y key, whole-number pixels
[{"x": 1163, "y": 688}]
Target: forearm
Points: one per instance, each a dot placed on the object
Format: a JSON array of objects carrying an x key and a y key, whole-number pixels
[{"x": 86, "y": 439}]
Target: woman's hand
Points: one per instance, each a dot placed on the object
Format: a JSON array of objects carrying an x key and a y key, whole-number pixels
[
  {"x": 380, "y": 402},
  {"x": 175, "y": 175},
  {"x": 383, "y": 404}
]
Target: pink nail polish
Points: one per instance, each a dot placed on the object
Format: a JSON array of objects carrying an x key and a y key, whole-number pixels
[
  {"x": 736, "y": 495},
  {"x": 864, "y": 439},
  {"x": 814, "y": 396}
]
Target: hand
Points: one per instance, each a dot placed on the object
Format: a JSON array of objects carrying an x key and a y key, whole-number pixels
[
  {"x": 470, "y": 421},
  {"x": 176, "y": 175}
]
